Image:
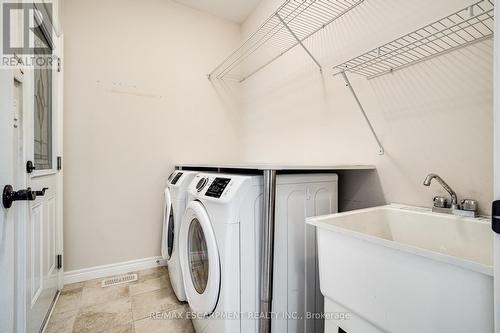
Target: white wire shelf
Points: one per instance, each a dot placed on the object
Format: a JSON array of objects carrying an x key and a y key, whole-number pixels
[
  {"x": 292, "y": 24},
  {"x": 463, "y": 28}
]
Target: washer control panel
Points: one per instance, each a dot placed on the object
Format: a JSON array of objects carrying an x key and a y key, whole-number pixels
[{"x": 217, "y": 187}]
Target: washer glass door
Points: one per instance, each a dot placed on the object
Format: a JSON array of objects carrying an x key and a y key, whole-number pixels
[
  {"x": 200, "y": 261},
  {"x": 198, "y": 256}
]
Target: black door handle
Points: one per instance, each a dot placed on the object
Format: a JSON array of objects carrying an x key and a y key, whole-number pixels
[
  {"x": 42, "y": 192},
  {"x": 9, "y": 195}
]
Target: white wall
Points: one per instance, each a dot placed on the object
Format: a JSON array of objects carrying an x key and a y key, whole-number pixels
[
  {"x": 135, "y": 84},
  {"x": 433, "y": 117},
  {"x": 137, "y": 100}
]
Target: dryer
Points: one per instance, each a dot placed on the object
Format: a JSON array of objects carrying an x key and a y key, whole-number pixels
[
  {"x": 175, "y": 204},
  {"x": 219, "y": 250}
]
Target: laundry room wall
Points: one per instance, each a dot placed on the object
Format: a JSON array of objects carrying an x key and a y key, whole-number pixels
[
  {"x": 137, "y": 100},
  {"x": 432, "y": 117}
]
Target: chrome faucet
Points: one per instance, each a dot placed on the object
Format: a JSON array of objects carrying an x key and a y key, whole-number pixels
[
  {"x": 468, "y": 207},
  {"x": 454, "y": 198}
]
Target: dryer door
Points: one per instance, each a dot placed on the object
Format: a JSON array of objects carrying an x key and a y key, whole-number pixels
[
  {"x": 199, "y": 259},
  {"x": 167, "y": 241}
]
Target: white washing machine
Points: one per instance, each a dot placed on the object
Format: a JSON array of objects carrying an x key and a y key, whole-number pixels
[
  {"x": 175, "y": 205},
  {"x": 220, "y": 250}
]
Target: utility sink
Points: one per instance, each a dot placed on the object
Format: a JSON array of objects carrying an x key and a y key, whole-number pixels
[{"x": 405, "y": 269}]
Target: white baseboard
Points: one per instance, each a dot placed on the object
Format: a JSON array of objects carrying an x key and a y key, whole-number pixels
[{"x": 96, "y": 272}]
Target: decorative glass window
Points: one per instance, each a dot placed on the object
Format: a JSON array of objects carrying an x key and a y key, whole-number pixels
[{"x": 43, "y": 108}]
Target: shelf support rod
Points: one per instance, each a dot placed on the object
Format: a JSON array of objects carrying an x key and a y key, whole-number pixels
[
  {"x": 267, "y": 251},
  {"x": 348, "y": 83},
  {"x": 299, "y": 41}
]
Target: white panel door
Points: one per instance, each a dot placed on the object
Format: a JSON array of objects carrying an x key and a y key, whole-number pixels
[
  {"x": 30, "y": 230},
  {"x": 42, "y": 230}
]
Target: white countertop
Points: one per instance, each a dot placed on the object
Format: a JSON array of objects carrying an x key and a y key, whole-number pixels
[{"x": 277, "y": 166}]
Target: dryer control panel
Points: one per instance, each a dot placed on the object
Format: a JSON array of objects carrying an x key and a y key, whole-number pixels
[
  {"x": 217, "y": 187},
  {"x": 175, "y": 179}
]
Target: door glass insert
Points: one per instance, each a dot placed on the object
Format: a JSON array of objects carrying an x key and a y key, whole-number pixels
[
  {"x": 170, "y": 232},
  {"x": 43, "y": 107},
  {"x": 198, "y": 256}
]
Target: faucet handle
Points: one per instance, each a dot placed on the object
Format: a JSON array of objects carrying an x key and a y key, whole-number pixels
[
  {"x": 440, "y": 202},
  {"x": 469, "y": 205}
]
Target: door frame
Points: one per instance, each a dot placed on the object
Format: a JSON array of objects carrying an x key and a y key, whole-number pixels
[
  {"x": 59, "y": 149},
  {"x": 21, "y": 221},
  {"x": 496, "y": 168}
]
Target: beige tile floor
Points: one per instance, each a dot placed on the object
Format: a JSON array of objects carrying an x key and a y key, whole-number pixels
[{"x": 86, "y": 307}]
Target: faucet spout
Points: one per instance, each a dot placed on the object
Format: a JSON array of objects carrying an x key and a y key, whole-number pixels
[
  {"x": 454, "y": 198},
  {"x": 429, "y": 178}
]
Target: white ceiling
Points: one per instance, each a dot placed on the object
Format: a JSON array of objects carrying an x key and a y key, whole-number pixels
[{"x": 234, "y": 10}]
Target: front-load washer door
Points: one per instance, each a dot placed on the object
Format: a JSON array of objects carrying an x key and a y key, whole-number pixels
[
  {"x": 167, "y": 241},
  {"x": 199, "y": 258}
]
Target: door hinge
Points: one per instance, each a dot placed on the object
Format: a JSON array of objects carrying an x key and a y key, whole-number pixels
[
  {"x": 59, "y": 261},
  {"x": 495, "y": 216},
  {"x": 58, "y": 64},
  {"x": 59, "y": 163}
]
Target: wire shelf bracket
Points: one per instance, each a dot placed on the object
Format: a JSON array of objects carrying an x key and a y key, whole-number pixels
[
  {"x": 293, "y": 23},
  {"x": 381, "y": 150}
]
